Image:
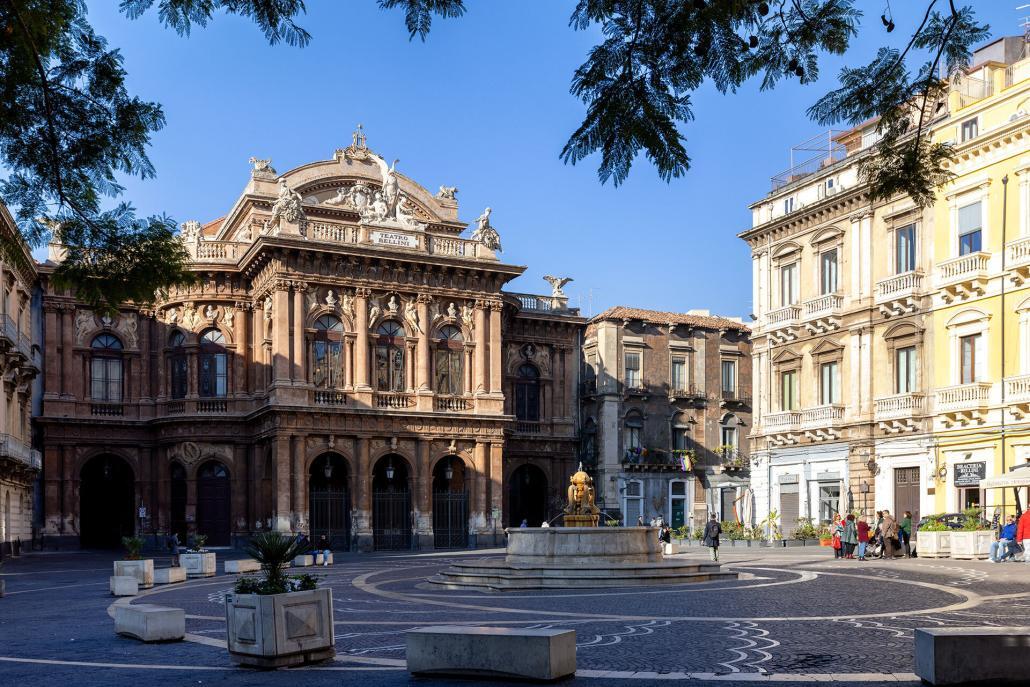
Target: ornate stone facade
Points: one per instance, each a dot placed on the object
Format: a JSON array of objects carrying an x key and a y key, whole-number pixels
[{"x": 341, "y": 367}]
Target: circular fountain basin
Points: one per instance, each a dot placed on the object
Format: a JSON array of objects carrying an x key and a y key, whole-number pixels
[{"x": 578, "y": 546}]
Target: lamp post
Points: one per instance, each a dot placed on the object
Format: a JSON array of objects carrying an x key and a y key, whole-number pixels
[{"x": 389, "y": 470}]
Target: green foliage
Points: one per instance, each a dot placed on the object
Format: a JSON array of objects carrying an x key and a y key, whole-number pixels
[
  {"x": 805, "y": 529},
  {"x": 972, "y": 521},
  {"x": 933, "y": 524},
  {"x": 198, "y": 542},
  {"x": 275, "y": 18},
  {"x": 133, "y": 547},
  {"x": 611, "y": 522},
  {"x": 289, "y": 583},
  {"x": 824, "y": 532},
  {"x": 699, "y": 533},
  {"x": 275, "y": 551},
  {"x": 770, "y": 525},
  {"x": 682, "y": 532}
]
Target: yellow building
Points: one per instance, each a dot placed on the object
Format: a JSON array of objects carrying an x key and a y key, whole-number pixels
[{"x": 980, "y": 243}]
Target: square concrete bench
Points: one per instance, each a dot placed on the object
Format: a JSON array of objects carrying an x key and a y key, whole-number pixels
[
  {"x": 318, "y": 558},
  {"x": 956, "y": 655},
  {"x": 124, "y": 585},
  {"x": 243, "y": 565},
  {"x": 304, "y": 561},
  {"x": 499, "y": 652},
  {"x": 150, "y": 623},
  {"x": 169, "y": 575}
]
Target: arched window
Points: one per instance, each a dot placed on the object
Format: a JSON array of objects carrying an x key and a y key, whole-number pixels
[
  {"x": 634, "y": 426},
  {"x": 212, "y": 370},
  {"x": 450, "y": 353},
  {"x": 326, "y": 345},
  {"x": 527, "y": 394},
  {"x": 177, "y": 364},
  {"x": 106, "y": 369},
  {"x": 389, "y": 356}
]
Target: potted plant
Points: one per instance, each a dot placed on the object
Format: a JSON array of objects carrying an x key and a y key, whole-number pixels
[
  {"x": 805, "y": 531},
  {"x": 973, "y": 539},
  {"x": 197, "y": 561},
  {"x": 825, "y": 536},
  {"x": 134, "y": 564},
  {"x": 934, "y": 538},
  {"x": 279, "y": 620}
]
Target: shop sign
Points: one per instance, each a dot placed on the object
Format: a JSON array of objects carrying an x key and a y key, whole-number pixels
[{"x": 969, "y": 474}]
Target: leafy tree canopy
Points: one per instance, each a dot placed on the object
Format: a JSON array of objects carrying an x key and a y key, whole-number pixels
[{"x": 68, "y": 126}]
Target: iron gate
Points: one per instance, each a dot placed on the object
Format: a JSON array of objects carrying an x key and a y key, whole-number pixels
[
  {"x": 330, "y": 517},
  {"x": 391, "y": 520},
  {"x": 450, "y": 519}
]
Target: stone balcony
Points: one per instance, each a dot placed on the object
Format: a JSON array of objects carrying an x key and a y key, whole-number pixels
[
  {"x": 20, "y": 453},
  {"x": 823, "y": 314},
  {"x": 963, "y": 277},
  {"x": 900, "y": 294},
  {"x": 823, "y": 422},
  {"x": 1017, "y": 260},
  {"x": 963, "y": 404},
  {"x": 782, "y": 324},
  {"x": 1017, "y": 395},
  {"x": 783, "y": 427},
  {"x": 899, "y": 413}
]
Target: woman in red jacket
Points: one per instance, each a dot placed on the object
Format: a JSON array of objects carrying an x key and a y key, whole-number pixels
[
  {"x": 1023, "y": 535},
  {"x": 863, "y": 537}
]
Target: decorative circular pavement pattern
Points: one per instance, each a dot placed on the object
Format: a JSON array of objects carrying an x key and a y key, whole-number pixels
[{"x": 795, "y": 616}]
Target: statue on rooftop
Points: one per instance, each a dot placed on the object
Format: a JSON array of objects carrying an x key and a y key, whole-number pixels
[{"x": 485, "y": 233}]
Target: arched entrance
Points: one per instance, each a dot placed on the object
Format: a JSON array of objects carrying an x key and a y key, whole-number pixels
[
  {"x": 177, "y": 487},
  {"x": 213, "y": 506},
  {"x": 450, "y": 504},
  {"x": 527, "y": 496},
  {"x": 329, "y": 502},
  {"x": 391, "y": 504},
  {"x": 107, "y": 500}
]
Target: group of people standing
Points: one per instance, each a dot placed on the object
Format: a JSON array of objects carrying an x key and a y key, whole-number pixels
[{"x": 882, "y": 539}]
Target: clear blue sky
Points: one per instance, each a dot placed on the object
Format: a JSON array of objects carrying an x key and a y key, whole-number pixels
[{"x": 482, "y": 105}]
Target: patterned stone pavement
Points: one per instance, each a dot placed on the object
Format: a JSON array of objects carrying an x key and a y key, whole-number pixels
[{"x": 795, "y": 616}]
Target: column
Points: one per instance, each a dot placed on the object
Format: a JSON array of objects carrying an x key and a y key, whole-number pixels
[
  {"x": 348, "y": 362},
  {"x": 53, "y": 371},
  {"x": 495, "y": 347},
  {"x": 281, "y": 334},
  {"x": 867, "y": 254},
  {"x": 244, "y": 351},
  {"x": 865, "y": 372},
  {"x": 361, "y": 346},
  {"x": 571, "y": 375},
  {"x": 409, "y": 369},
  {"x": 424, "y": 522},
  {"x": 146, "y": 351},
  {"x": 281, "y": 515},
  {"x": 479, "y": 358},
  {"x": 67, "y": 342},
  {"x": 69, "y": 488},
  {"x": 422, "y": 380},
  {"x": 364, "y": 483},
  {"x": 299, "y": 493},
  {"x": 299, "y": 366},
  {"x": 497, "y": 488},
  {"x": 855, "y": 236},
  {"x": 479, "y": 502}
]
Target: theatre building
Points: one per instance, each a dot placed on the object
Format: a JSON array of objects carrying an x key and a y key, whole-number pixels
[{"x": 346, "y": 365}]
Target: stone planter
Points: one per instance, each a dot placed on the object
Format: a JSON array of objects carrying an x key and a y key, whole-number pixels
[
  {"x": 198, "y": 564},
  {"x": 142, "y": 570},
  {"x": 971, "y": 545},
  {"x": 934, "y": 544},
  {"x": 280, "y": 630}
]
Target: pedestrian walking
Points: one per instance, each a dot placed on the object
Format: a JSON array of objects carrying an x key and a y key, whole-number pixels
[
  {"x": 888, "y": 533},
  {"x": 711, "y": 539},
  {"x": 1023, "y": 534},
  {"x": 1006, "y": 540},
  {"x": 905, "y": 532},
  {"x": 173, "y": 547},
  {"x": 837, "y": 530},
  {"x": 850, "y": 536},
  {"x": 877, "y": 537},
  {"x": 863, "y": 537},
  {"x": 640, "y": 521}
]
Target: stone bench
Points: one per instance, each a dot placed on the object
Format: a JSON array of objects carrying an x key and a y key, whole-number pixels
[
  {"x": 124, "y": 585},
  {"x": 243, "y": 565},
  {"x": 150, "y": 623},
  {"x": 305, "y": 561},
  {"x": 169, "y": 575},
  {"x": 318, "y": 558},
  {"x": 500, "y": 652},
  {"x": 954, "y": 655}
]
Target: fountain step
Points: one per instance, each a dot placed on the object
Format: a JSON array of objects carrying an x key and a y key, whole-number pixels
[
  {"x": 500, "y": 582},
  {"x": 622, "y": 570}
]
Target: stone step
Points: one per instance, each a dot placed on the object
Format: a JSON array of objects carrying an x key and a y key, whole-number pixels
[
  {"x": 501, "y": 582},
  {"x": 549, "y": 571}
]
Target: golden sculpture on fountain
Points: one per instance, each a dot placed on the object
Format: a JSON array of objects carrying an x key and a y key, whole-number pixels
[{"x": 581, "y": 511}]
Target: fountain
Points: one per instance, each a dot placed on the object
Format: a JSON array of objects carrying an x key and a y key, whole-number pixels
[{"x": 578, "y": 555}]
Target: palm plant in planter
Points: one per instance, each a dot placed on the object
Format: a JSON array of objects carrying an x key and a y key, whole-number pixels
[
  {"x": 198, "y": 561},
  {"x": 134, "y": 564},
  {"x": 277, "y": 619}
]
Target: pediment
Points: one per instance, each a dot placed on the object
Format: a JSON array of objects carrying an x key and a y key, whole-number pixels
[
  {"x": 786, "y": 356},
  {"x": 828, "y": 347}
]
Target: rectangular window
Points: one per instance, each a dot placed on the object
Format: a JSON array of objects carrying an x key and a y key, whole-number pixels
[
  {"x": 789, "y": 284},
  {"x": 729, "y": 377},
  {"x": 969, "y": 229},
  {"x": 829, "y": 383},
  {"x": 729, "y": 437},
  {"x": 632, "y": 437},
  {"x": 680, "y": 438},
  {"x": 829, "y": 501},
  {"x": 789, "y": 390},
  {"x": 905, "y": 249},
  {"x": 788, "y": 205},
  {"x": 632, "y": 370},
  {"x": 679, "y": 374},
  {"x": 828, "y": 271},
  {"x": 968, "y": 362},
  {"x": 905, "y": 370},
  {"x": 970, "y": 129}
]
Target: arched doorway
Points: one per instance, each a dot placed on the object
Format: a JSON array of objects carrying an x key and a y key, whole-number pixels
[
  {"x": 106, "y": 503},
  {"x": 450, "y": 504},
  {"x": 527, "y": 496},
  {"x": 213, "y": 506},
  {"x": 177, "y": 488},
  {"x": 329, "y": 502},
  {"x": 391, "y": 504}
]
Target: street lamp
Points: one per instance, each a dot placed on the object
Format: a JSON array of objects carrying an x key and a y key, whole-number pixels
[
  {"x": 389, "y": 470},
  {"x": 448, "y": 472},
  {"x": 328, "y": 468}
]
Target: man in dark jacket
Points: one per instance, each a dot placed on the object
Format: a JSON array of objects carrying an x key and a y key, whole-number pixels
[{"x": 711, "y": 539}]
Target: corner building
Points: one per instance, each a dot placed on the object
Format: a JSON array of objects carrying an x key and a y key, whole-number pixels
[{"x": 346, "y": 365}]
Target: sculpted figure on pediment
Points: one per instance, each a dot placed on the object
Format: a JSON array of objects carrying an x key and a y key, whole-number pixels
[
  {"x": 411, "y": 315},
  {"x": 228, "y": 313},
  {"x": 127, "y": 326},
  {"x": 347, "y": 305},
  {"x": 468, "y": 316},
  {"x": 190, "y": 316},
  {"x": 84, "y": 321}
]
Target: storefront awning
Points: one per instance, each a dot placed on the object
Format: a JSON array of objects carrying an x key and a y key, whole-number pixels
[{"x": 1020, "y": 477}]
